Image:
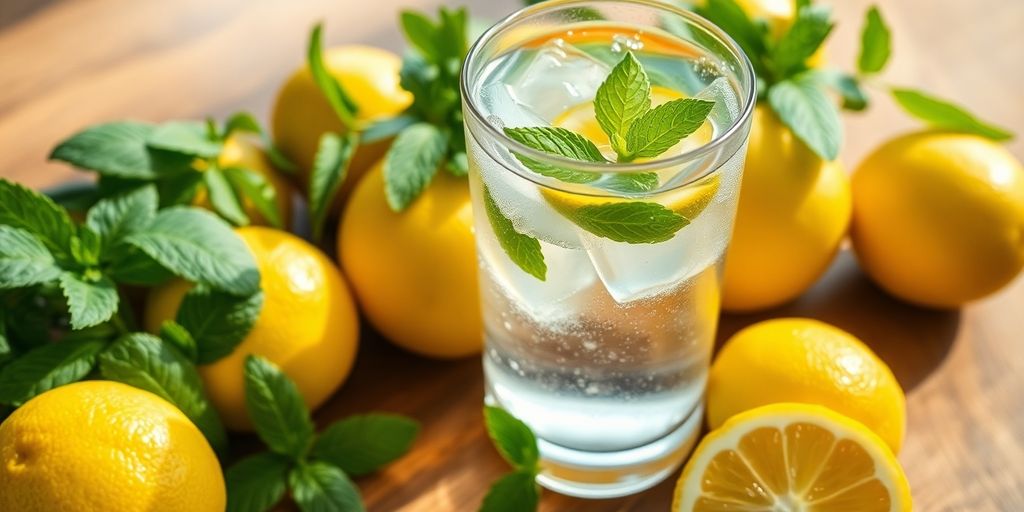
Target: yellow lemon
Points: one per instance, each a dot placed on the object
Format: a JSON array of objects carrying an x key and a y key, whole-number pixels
[
  {"x": 802, "y": 360},
  {"x": 308, "y": 325},
  {"x": 414, "y": 272},
  {"x": 245, "y": 150},
  {"x": 301, "y": 114},
  {"x": 939, "y": 217},
  {"x": 789, "y": 457},
  {"x": 101, "y": 446},
  {"x": 793, "y": 212}
]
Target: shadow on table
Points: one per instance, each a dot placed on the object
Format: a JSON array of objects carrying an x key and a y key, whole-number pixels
[{"x": 912, "y": 340}]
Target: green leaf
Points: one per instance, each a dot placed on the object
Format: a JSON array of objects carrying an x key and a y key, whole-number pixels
[
  {"x": 514, "y": 492},
  {"x": 806, "y": 110},
  {"x": 85, "y": 247},
  {"x": 114, "y": 218},
  {"x": 945, "y": 115},
  {"x": 623, "y": 97},
  {"x": 362, "y": 444},
  {"x": 810, "y": 29},
  {"x": 632, "y": 183},
  {"x": 386, "y": 128},
  {"x": 332, "y": 90},
  {"x": 75, "y": 197},
  {"x": 223, "y": 198},
  {"x": 420, "y": 32},
  {"x": 330, "y": 166},
  {"x": 665, "y": 125},
  {"x": 523, "y": 250},
  {"x": 185, "y": 138},
  {"x": 514, "y": 440},
  {"x": 91, "y": 300},
  {"x": 255, "y": 187},
  {"x": 276, "y": 408},
  {"x": 731, "y": 18},
  {"x": 24, "y": 260},
  {"x": 242, "y": 122},
  {"x": 179, "y": 189},
  {"x": 115, "y": 149},
  {"x": 632, "y": 222},
  {"x": 257, "y": 483},
  {"x": 451, "y": 37},
  {"x": 458, "y": 164},
  {"x": 320, "y": 487},
  {"x": 129, "y": 265},
  {"x": 47, "y": 367},
  {"x": 172, "y": 332},
  {"x": 847, "y": 86},
  {"x": 37, "y": 214},
  {"x": 145, "y": 362},
  {"x": 411, "y": 163},
  {"x": 557, "y": 141},
  {"x": 218, "y": 321},
  {"x": 875, "y": 43},
  {"x": 200, "y": 247}
]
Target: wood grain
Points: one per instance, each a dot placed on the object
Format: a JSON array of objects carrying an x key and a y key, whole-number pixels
[{"x": 68, "y": 64}]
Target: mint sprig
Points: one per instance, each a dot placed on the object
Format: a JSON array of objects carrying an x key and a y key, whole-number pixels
[
  {"x": 517, "y": 491},
  {"x": 314, "y": 468}
]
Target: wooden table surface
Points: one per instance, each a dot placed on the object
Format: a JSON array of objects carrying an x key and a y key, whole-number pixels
[{"x": 67, "y": 64}]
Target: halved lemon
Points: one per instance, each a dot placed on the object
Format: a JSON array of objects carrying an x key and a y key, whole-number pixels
[{"x": 792, "y": 458}]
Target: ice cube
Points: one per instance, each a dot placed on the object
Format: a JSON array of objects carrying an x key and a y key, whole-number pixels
[
  {"x": 504, "y": 111},
  {"x": 727, "y": 105},
  {"x": 559, "y": 76}
]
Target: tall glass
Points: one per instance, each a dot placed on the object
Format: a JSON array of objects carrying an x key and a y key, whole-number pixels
[{"x": 603, "y": 347}]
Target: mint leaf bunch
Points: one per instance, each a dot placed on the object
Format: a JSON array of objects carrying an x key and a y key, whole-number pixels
[
  {"x": 315, "y": 468},
  {"x": 622, "y": 107},
  {"x": 517, "y": 491},
  {"x": 182, "y": 159}
]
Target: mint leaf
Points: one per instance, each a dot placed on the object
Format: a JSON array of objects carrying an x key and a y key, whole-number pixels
[
  {"x": 421, "y": 32},
  {"x": 37, "y": 214},
  {"x": 452, "y": 38},
  {"x": 47, "y": 367},
  {"x": 523, "y": 250},
  {"x": 874, "y": 43},
  {"x": 257, "y": 483},
  {"x": 223, "y": 198},
  {"x": 241, "y": 122},
  {"x": 114, "y": 218},
  {"x": 806, "y": 110},
  {"x": 330, "y": 166},
  {"x": 632, "y": 222},
  {"x": 218, "y": 321},
  {"x": 24, "y": 260},
  {"x": 91, "y": 300},
  {"x": 664, "y": 126},
  {"x": 253, "y": 186},
  {"x": 320, "y": 487},
  {"x": 85, "y": 247},
  {"x": 329, "y": 86},
  {"x": 186, "y": 138},
  {"x": 115, "y": 149},
  {"x": 623, "y": 97},
  {"x": 847, "y": 86},
  {"x": 129, "y": 265},
  {"x": 514, "y": 492},
  {"x": 411, "y": 163},
  {"x": 632, "y": 183},
  {"x": 386, "y": 128},
  {"x": 276, "y": 408},
  {"x": 145, "y": 362},
  {"x": 172, "y": 332},
  {"x": 514, "y": 440},
  {"x": 200, "y": 247},
  {"x": 362, "y": 444},
  {"x": 557, "y": 141},
  {"x": 810, "y": 29},
  {"x": 945, "y": 115},
  {"x": 731, "y": 18}
]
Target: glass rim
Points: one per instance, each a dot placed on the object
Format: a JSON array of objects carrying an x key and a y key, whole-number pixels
[{"x": 745, "y": 74}]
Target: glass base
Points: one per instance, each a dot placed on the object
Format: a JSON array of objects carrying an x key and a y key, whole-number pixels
[{"x": 586, "y": 474}]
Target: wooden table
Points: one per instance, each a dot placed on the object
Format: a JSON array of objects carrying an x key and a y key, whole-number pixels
[{"x": 67, "y": 64}]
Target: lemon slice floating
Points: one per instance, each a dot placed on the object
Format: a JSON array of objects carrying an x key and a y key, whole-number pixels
[
  {"x": 792, "y": 458},
  {"x": 688, "y": 201}
]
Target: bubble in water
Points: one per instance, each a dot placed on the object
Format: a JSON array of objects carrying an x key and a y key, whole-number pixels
[
  {"x": 621, "y": 43},
  {"x": 590, "y": 345}
]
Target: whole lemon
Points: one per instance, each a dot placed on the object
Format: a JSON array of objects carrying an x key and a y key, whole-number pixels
[
  {"x": 414, "y": 272},
  {"x": 806, "y": 361},
  {"x": 301, "y": 113},
  {"x": 245, "y": 150},
  {"x": 939, "y": 217},
  {"x": 102, "y": 446},
  {"x": 793, "y": 212},
  {"x": 308, "y": 325}
]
